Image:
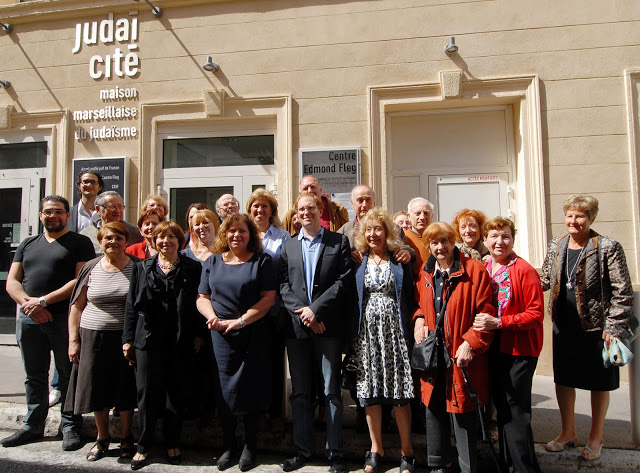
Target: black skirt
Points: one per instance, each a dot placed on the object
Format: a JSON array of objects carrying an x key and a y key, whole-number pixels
[
  {"x": 577, "y": 356},
  {"x": 103, "y": 379}
]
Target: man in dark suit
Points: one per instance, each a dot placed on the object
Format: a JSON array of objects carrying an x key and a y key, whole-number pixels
[{"x": 316, "y": 289}]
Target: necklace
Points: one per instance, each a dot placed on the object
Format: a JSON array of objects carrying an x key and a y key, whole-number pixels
[
  {"x": 571, "y": 274},
  {"x": 377, "y": 271},
  {"x": 167, "y": 266}
]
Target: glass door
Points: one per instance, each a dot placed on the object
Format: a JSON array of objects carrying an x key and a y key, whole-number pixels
[
  {"x": 18, "y": 220},
  {"x": 183, "y": 192}
]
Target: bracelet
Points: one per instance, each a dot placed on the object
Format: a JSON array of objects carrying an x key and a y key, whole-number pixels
[{"x": 241, "y": 320}]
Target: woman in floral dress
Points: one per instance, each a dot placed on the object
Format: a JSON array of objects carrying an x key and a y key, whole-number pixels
[{"x": 381, "y": 345}]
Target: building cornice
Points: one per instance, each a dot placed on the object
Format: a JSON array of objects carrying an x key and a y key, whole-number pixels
[{"x": 39, "y": 10}]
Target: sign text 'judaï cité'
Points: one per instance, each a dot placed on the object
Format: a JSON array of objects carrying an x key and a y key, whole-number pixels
[{"x": 97, "y": 123}]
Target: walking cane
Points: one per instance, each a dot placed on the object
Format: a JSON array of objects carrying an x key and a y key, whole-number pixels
[{"x": 485, "y": 436}]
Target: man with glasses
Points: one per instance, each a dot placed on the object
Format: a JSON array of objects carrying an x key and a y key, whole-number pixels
[
  {"x": 40, "y": 281},
  {"x": 89, "y": 184},
  {"x": 334, "y": 215},
  {"x": 110, "y": 207},
  {"x": 317, "y": 290},
  {"x": 227, "y": 205}
]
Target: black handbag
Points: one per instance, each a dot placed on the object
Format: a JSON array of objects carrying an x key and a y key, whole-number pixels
[
  {"x": 424, "y": 354},
  {"x": 348, "y": 375}
]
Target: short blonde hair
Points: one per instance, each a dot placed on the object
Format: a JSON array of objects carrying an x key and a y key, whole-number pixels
[
  {"x": 377, "y": 214},
  {"x": 161, "y": 200},
  {"x": 499, "y": 223},
  {"x": 583, "y": 203},
  {"x": 273, "y": 203},
  {"x": 436, "y": 231},
  {"x": 466, "y": 214}
]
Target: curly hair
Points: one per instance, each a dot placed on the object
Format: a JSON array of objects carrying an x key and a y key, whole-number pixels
[
  {"x": 466, "y": 214},
  {"x": 254, "y": 245},
  {"x": 381, "y": 216}
]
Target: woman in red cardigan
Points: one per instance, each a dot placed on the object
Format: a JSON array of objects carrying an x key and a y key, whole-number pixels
[
  {"x": 147, "y": 223},
  {"x": 513, "y": 358},
  {"x": 460, "y": 288}
]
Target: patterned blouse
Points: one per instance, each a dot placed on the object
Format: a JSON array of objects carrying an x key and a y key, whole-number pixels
[{"x": 500, "y": 283}]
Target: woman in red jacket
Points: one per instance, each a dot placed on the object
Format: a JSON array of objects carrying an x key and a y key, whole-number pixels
[
  {"x": 459, "y": 288},
  {"x": 518, "y": 298}
]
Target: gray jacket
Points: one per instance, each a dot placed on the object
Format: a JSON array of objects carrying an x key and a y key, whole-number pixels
[{"x": 604, "y": 294}]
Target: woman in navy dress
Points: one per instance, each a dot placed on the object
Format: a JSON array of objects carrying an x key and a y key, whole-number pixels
[{"x": 236, "y": 290}]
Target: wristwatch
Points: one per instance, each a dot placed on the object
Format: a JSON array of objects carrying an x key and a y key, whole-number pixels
[{"x": 42, "y": 301}]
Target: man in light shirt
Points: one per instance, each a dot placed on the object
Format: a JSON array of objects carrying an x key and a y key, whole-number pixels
[{"x": 89, "y": 184}]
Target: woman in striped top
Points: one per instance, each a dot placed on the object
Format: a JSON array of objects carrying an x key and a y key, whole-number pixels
[{"x": 102, "y": 377}]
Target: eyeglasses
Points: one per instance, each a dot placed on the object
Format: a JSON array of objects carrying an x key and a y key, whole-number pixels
[
  {"x": 233, "y": 203},
  {"x": 51, "y": 212},
  {"x": 308, "y": 208},
  {"x": 113, "y": 207},
  {"x": 89, "y": 181}
]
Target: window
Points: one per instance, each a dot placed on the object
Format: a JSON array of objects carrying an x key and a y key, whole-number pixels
[{"x": 218, "y": 151}]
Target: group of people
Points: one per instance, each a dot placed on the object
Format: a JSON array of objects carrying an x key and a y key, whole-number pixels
[{"x": 132, "y": 327}]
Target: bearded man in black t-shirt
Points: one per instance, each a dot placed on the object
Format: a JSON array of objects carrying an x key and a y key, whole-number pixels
[{"x": 40, "y": 281}]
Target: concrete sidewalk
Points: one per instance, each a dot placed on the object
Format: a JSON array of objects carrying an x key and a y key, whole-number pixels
[{"x": 619, "y": 455}]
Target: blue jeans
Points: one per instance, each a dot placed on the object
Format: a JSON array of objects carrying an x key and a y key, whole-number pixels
[
  {"x": 302, "y": 354},
  {"x": 36, "y": 341}
]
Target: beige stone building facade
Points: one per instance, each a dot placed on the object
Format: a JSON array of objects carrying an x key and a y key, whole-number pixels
[{"x": 539, "y": 101}]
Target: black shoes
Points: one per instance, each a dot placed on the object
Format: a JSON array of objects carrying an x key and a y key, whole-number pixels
[
  {"x": 337, "y": 465},
  {"x": 137, "y": 464},
  {"x": 21, "y": 437},
  {"x": 247, "y": 459},
  {"x": 294, "y": 463},
  {"x": 71, "y": 441},
  {"x": 226, "y": 460}
]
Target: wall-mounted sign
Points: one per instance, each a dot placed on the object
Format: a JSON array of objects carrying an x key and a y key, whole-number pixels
[
  {"x": 123, "y": 62},
  {"x": 337, "y": 170},
  {"x": 114, "y": 172}
]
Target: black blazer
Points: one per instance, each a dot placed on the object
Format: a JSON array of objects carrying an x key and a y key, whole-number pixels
[
  {"x": 333, "y": 282},
  {"x": 72, "y": 223},
  {"x": 143, "y": 300}
]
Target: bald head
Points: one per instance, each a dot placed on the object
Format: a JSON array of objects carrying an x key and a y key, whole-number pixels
[
  {"x": 420, "y": 214},
  {"x": 311, "y": 185},
  {"x": 363, "y": 199},
  {"x": 227, "y": 205}
]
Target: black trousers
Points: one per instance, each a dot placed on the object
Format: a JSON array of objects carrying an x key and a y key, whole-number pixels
[
  {"x": 465, "y": 428},
  {"x": 229, "y": 423},
  {"x": 160, "y": 391},
  {"x": 512, "y": 382}
]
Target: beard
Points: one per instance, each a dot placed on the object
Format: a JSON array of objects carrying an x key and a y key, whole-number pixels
[{"x": 54, "y": 228}]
